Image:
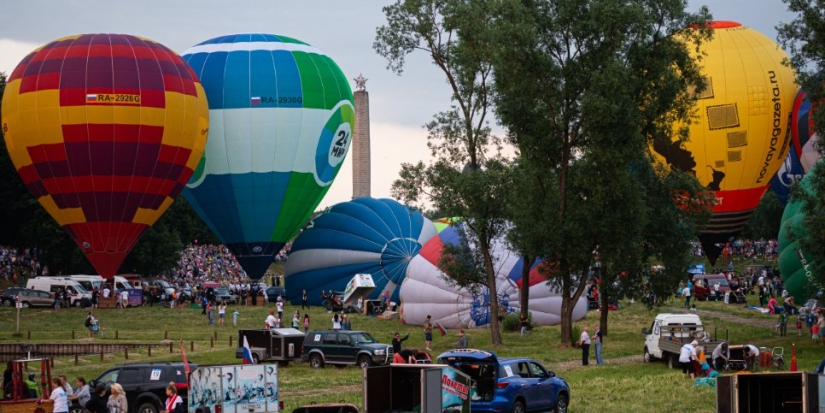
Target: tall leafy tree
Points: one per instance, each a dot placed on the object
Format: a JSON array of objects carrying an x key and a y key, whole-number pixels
[
  {"x": 804, "y": 39},
  {"x": 766, "y": 218},
  {"x": 466, "y": 178},
  {"x": 583, "y": 88}
]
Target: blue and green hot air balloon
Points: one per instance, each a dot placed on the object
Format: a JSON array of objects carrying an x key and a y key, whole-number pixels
[{"x": 282, "y": 124}]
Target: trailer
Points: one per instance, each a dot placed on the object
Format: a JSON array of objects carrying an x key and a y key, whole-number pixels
[
  {"x": 426, "y": 388},
  {"x": 277, "y": 344},
  {"x": 787, "y": 392},
  {"x": 234, "y": 388}
]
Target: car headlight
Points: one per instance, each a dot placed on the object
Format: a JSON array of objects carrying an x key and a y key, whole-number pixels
[{"x": 380, "y": 352}]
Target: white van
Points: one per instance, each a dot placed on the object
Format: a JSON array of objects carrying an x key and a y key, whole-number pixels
[
  {"x": 54, "y": 284},
  {"x": 90, "y": 282}
]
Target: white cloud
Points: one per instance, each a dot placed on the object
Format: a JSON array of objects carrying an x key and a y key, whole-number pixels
[{"x": 13, "y": 52}]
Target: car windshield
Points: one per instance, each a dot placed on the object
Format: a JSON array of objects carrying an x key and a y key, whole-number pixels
[
  {"x": 222, "y": 291},
  {"x": 79, "y": 289},
  {"x": 362, "y": 338},
  {"x": 163, "y": 284}
]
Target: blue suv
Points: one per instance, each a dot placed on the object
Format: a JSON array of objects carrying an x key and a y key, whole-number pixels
[{"x": 516, "y": 385}]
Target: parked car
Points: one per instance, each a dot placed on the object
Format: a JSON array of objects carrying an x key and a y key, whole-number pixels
[
  {"x": 145, "y": 384},
  {"x": 29, "y": 297},
  {"x": 272, "y": 293},
  {"x": 342, "y": 347},
  {"x": 163, "y": 286},
  {"x": 515, "y": 385},
  {"x": 223, "y": 294},
  {"x": 704, "y": 287}
]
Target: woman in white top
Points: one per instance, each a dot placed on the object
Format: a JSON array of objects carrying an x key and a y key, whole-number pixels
[
  {"x": 336, "y": 322},
  {"x": 221, "y": 312},
  {"x": 59, "y": 397}
]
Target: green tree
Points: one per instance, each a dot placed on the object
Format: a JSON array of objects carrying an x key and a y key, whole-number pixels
[
  {"x": 465, "y": 178},
  {"x": 766, "y": 219},
  {"x": 583, "y": 89},
  {"x": 804, "y": 39}
]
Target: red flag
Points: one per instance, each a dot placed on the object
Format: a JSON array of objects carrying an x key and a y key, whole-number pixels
[
  {"x": 186, "y": 368},
  {"x": 793, "y": 357},
  {"x": 440, "y": 328}
]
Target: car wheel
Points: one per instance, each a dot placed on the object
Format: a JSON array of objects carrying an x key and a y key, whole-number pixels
[
  {"x": 316, "y": 362},
  {"x": 364, "y": 362},
  {"x": 561, "y": 404},
  {"x": 75, "y": 408},
  {"x": 256, "y": 359},
  {"x": 25, "y": 304},
  {"x": 647, "y": 357},
  {"x": 148, "y": 407},
  {"x": 518, "y": 407},
  {"x": 6, "y": 303}
]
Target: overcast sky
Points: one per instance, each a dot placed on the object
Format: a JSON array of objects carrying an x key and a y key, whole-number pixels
[{"x": 345, "y": 30}]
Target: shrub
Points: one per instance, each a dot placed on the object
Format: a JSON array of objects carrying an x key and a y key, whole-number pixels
[{"x": 512, "y": 321}]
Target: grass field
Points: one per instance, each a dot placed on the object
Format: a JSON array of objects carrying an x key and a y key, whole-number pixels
[{"x": 625, "y": 383}]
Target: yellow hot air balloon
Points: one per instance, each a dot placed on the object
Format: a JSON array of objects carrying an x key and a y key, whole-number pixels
[{"x": 741, "y": 135}]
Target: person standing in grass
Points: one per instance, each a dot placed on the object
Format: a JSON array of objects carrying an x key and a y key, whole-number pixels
[
  {"x": 221, "y": 313},
  {"x": 235, "y": 316},
  {"x": 597, "y": 340},
  {"x": 584, "y": 343},
  {"x": 306, "y": 323},
  {"x": 428, "y": 332},
  {"x": 210, "y": 312}
]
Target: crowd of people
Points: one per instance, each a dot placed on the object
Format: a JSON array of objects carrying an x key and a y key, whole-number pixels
[
  {"x": 744, "y": 249},
  {"x": 19, "y": 264},
  {"x": 64, "y": 398}
]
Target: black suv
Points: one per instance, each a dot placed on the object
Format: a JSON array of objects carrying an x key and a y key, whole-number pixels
[
  {"x": 342, "y": 347},
  {"x": 145, "y": 383}
]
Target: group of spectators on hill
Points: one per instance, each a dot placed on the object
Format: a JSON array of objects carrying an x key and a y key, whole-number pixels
[
  {"x": 744, "y": 249},
  {"x": 19, "y": 264}
]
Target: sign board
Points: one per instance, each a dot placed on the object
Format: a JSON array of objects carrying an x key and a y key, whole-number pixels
[{"x": 237, "y": 388}]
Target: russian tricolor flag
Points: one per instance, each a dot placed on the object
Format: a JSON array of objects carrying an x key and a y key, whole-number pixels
[
  {"x": 256, "y": 100},
  {"x": 91, "y": 98},
  {"x": 247, "y": 352}
]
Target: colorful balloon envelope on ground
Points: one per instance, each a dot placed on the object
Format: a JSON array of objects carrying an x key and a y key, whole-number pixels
[
  {"x": 363, "y": 236},
  {"x": 282, "y": 117},
  {"x": 796, "y": 267},
  {"x": 105, "y": 130},
  {"x": 740, "y": 137},
  {"x": 425, "y": 290}
]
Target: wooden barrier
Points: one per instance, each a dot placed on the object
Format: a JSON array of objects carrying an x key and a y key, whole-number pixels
[{"x": 24, "y": 406}]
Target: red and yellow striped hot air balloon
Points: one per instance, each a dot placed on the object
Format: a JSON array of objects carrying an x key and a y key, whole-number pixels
[{"x": 105, "y": 130}]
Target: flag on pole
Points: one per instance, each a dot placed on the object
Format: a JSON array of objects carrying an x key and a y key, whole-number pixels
[
  {"x": 247, "y": 352},
  {"x": 793, "y": 357},
  {"x": 440, "y": 328},
  {"x": 186, "y": 368}
]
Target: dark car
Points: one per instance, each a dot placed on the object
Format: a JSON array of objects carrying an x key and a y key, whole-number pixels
[
  {"x": 342, "y": 347},
  {"x": 515, "y": 385},
  {"x": 145, "y": 384},
  {"x": 29, "y": 297},
  {"x": 272, "y": 293}
]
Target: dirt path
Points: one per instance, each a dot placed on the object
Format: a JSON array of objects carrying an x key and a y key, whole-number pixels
[{"x": 769, "y": 324}]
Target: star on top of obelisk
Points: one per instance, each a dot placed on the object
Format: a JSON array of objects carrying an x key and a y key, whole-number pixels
[{"x": 360, "y": 82}]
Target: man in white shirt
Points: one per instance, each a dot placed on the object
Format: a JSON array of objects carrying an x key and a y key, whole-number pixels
[
  {"x": 686, "y": 293},
  {"x": 686, "y": 357},
  {"x": 124, "y": 299},
  {"x": 584, "y": 343},
  {"x": 106, "y": 291},
  {"x": 720, "y": 356}
]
